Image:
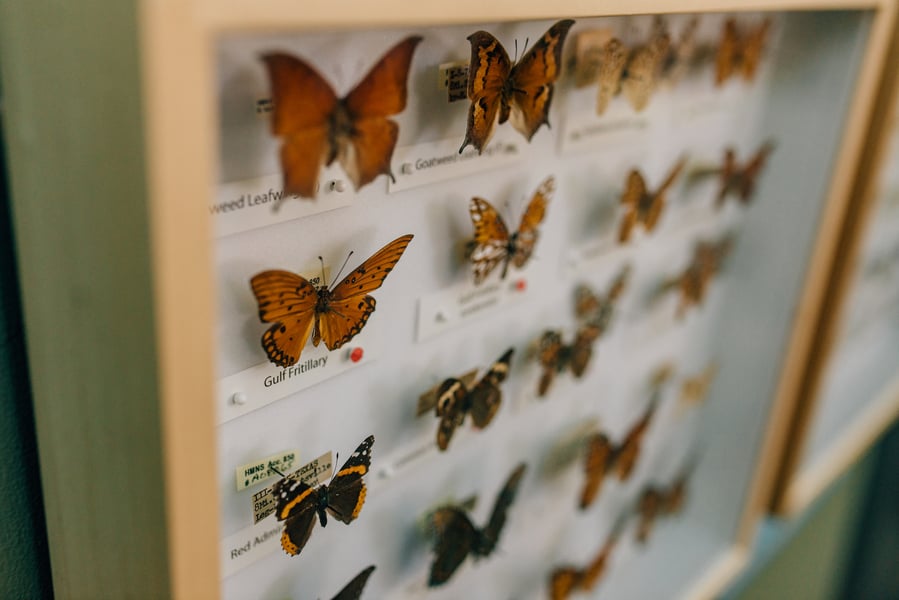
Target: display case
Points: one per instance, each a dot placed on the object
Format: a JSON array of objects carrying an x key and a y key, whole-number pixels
[
  {"x": 650, "y": 233},
  {"x": 850, "y": 395}
]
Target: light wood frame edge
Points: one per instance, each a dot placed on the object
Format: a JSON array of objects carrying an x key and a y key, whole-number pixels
[
  {"x": 792, "y": 491},
  {"x": 178, "y": 47}
]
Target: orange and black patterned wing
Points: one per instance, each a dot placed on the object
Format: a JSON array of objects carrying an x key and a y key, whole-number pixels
[
  {"x": 486, "y": 396},
  {"x": 490, "y": 535},
  {"x": 346, "y": 492},
  {"x": 288, "y": 301},
  {"x": 631, "y": 199},
  {"x": 353, "y": 590},
  {"x": 728, "y": 56},
  {"x": 349, "y": 306},
  {"x": 563, "y": 581},
  {"x": 550, "y": 351},
  {"x": 753, "y": 46},
  {"x": 488, "y": 70},
  {"x": 450, "y": 409},
  {"x": 491, "y": 239},
  {"x": 367, "y": 150},
  {"x": 611, "y": 70},
  {"x": 295, "y": 504},
  {"x": 644, "y": 69},
  {"x": 303, "y": 106},
  {"x": 455, "y": 538},
  {"x": 598, "y": 460},
  {"x": 531, "y": 81},
  {"x": 530, "y": 221}
]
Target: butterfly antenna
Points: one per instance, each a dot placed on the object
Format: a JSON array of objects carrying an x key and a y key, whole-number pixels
[
  {"x": 337, "y": 278},
  {"x": 322, "y": 261},
  {"x": 525, "y": 49},
  {"x": 336, "y": 462}
]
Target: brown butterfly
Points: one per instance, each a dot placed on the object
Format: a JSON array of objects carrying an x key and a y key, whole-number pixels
[
  {"x": 741, "y": 180},
  {"x": 493, "y": 245},
  {"x": 656, "y": 502},
  {"x": 455, "y": 400},
  {"x": 604, "y": 458},
  {"x": 353, "y": 590},
  {"x": 456, "y": 536},
  {"x": 693, "y": 283},
  {"x": 555, "y": 356},
  {"x": 680, "y": 56},
  {"x": 599, "y": 310},
  {"x": 568, "y": 579},
  {"x": 335, "y": 315},
  {"x": 499, "y": 90},
  {"x": 318, "y": 128},
  {"x": 740, "y": 54},
  {"x": 297, "y": 503},
  {"x": 641, "y": 205},
  {"x": 631, "y": 72}
]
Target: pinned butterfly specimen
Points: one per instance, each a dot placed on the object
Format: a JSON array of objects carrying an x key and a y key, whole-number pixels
[
  {"x": 456, "y": 537},
  {"x": 455, "y": 400},
  {"x": 680, "y": 56},
  {"x": 568, "y": 579},
  {"x": 642, "y": 206},
  {"x": 693, "y": 283},
  {"x": 317, "y": 127},
  {"x": 494, "y": 245},
  {"x": 556, "y": 357},
  {"x": 657, "y": 501},
  {"x": 632, "y": 72},
  {"x": 297, "y": 503},
  {"x": 331, "y": 314},
  {"x": 521, "y": 92},
  {"x": 596, "y": 309},
  {"x": 740, "y": 53},
  {"x": 604, "y": 458},
  {"x": 353, "y": 590},
  {"x": 740, "y": 181}
]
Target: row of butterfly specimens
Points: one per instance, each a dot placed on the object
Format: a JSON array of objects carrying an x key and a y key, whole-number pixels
[{"x": 381, "y": 397}]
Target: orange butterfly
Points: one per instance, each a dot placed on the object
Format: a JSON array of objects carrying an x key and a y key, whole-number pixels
[
  {"x": 599, "y": 310},
  {"x": 492, "y": 243},
  {"x": 640, "y": 205},
  {"x": 632, "y": 72},
  {"x": 741, "y": 180},
  {"x": 740, "y": 54},
  {"x": 500, "y": 90},
  {"x": 318, "y": 128},
  {"x": 556, "y": 356},
  {"x": 568, "y": 579},
  {"x": 603, "y": 457},
  {"x": 335, "y": 315}
]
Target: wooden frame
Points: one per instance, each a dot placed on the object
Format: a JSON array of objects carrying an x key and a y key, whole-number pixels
[
  {"x": 154, "y": 534},
  {"x": 796, "y": 487}
]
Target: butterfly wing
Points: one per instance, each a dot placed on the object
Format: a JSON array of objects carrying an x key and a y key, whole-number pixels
[
  {"x": 586, "y": 303},
  {"x": 582, "y": 348},
  {"x": 454, "y": 539},
  {"x": 490, "y": 535},
  {"x": 631, "y": 199},
  {"x": 648, "y": 508},
  {"x": 752, "y": 171},
  {"x": 366, "y": 150},
  {"x": 563, "y": 581},
  {"x": 288, "y": 301},
  {"x": 651, "y": 217},
  {"x": 599, "y": 457},
  {"x": 346, "y": 492},
  {"x": 527, "y": 235},
  {"x": 597, "y": 566},
  {"x": 627, "y": 453},
  {"x": 550, "y": 350},
  {"x": 303, "y": 105},
  {"x": 680, "y": 57},
  {"x": 349, "y": 305},
  {"x": 531, "y": 80},
  {"x": 643, "y": 70},
  {"x": 486, "y": 396},
  {"x": 353, "y": 590},
  {"x": 728, "y": 52},
  {"x": 450, "y": 409},
  {"x": 488, "y": 71},
  {"x": 730, "y": 175},
  {"x": 753, "y": 46},
  {"x": 611, "y": 69},
  {"x": 491, "y": 239},
  {"x": 295, "y": 503}
]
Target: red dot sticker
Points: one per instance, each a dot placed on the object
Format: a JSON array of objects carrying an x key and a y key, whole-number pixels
[
  {"x": 521, "y": 285},
  {"x": 356, "y": 354}
]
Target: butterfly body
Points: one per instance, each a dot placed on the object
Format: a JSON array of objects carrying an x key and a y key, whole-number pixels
[
  {"x": 455, "y": 400},
  {"x": 457, "y": 537},
  {"x": 316, "y": 127},
  {"x": 297, "y": 308},
  {"x": 298, "y": 504},
  {"x": 501, "y": 91},
  {"x": 494, "y": 245}
]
